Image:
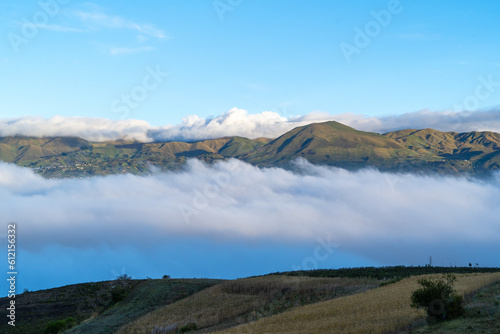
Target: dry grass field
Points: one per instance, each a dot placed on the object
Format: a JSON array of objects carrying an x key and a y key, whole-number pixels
[
  {"x": 382, "y": 310},
  {"x": 236, "y": 302}
]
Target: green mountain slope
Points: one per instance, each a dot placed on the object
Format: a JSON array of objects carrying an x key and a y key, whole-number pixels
[
  {"x": 472, "y": 151},
  {"x": 328, "y": 143},
  {"x": 15, "y": 149}
]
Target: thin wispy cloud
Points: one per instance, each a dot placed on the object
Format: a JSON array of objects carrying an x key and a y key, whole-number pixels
[
  {"x": 100, "y": 20},
  {"x": 57, "y": 27},
  {"x": 92, "y": 18}
]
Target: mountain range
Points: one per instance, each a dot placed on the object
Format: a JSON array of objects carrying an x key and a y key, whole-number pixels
[{"x": 329, "y": 143}]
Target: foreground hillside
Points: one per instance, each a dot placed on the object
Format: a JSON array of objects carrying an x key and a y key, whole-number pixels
[
  {"x": 383, "y": 310},
  {"x": 102, "y": 306},
  {"x": 320, "y": 299},
  {"x": 329, "y": 143},
  {"x": 241, "y": 301}
]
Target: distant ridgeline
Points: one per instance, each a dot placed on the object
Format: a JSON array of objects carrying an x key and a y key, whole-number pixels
[
  {"x": 329, "y": 143},
  {"x": 388, "y": 272}
]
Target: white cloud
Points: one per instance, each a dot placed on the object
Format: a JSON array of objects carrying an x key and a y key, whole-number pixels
[
  {"x": 237, "y": 122},
  {"x": 385, "y": 217},
  {"x": 98, "y": 20},
  {"x": 458, "y": 121},
  {"x": 91, "y": 18},
  {"x": 95, "y": 129},
  {"x": 56, "y": 27}
]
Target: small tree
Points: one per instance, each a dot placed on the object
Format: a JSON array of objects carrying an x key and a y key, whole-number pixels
[
  {"x": 123, "y": 277},
  {"x": 439, "y": 298},
  {"x": 59, "y": 326}
]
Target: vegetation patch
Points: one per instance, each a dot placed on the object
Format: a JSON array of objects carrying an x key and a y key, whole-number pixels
[
  {"x": 59, "y": 326},
  {"x": 482, "y": 315},
  {"x": 384, "y": 273},
  {"x": 245, "y": 300},
  {"x": 383, "y": 310},
  {"x": 439, "y": 298}
]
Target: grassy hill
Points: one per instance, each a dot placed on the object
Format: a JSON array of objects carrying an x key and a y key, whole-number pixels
[
  {"x": 328, "y": 143},
  {"x": 331, "y": 143},
  {"x": 103, "y": 307},
  {"x": 324, "y": 301},
  {"x": 236, "y": 302},
  {"x": 382, "y": 310},
  {"x": 477, "y": 151},
  {"x": 75, "y": 157}
]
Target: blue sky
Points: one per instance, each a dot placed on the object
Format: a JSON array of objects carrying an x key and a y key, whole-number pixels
[{"x": 281, "y": 56}]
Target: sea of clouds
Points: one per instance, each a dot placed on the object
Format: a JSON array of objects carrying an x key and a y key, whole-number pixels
[
  {"x": 238, "y": 122},
  {"x": 377, "y": 215}
]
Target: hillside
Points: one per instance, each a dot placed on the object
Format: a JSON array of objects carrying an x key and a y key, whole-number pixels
[
  {"x": 478, "y": 151},
  {"x": 383, "y": 310},
  {"x": 235, "y": 302},
  {"x": 331, "y": 143},
  {"x": 305, "y": 301},
  {"x": 102, "y": 306},
  {"x": 328, "y": 143},
  {"x": 76, "y": 157}
]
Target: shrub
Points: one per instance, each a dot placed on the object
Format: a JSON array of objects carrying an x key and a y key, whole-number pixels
[
  {"x": 391, "y": 281},
  {"x": 118, "y": 294},
  {"x": 439, "y": 298},
  {"x": 70, "y": 321},
  {"x": 166, "y": 276},
  {"x": 59, "y": 326},
  {"x": 188, "y": 328},
  {"x": 123, "y": 277}
]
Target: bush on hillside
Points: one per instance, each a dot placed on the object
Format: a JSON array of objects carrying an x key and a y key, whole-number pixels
[
  {"x": 439, "y": 298},
  {"x": 118, "y": 293},
  {"x": 59, "y": 326},
  {"x": 188, "y": 328},
  {"x": 123, "y": 277}
]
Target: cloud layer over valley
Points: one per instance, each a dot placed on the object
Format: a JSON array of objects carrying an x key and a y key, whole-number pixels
[{"x": 384, "y": 217}]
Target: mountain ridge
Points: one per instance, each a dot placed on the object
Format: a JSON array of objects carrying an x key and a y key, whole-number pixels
[{"x": 328, "y": 143}]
